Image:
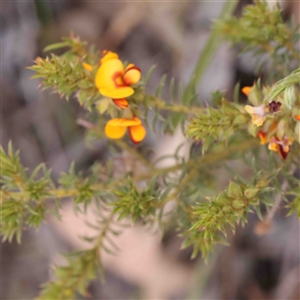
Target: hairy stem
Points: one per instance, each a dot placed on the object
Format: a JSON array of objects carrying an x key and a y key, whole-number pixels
[{"x": 158, "y": 103}]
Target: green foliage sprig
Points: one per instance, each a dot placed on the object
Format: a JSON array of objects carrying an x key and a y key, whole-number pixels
[
  {"x": 229, "y": 208},
  {"x": 17, "y": 210},
  {"x": 263, "y": 30},
  {"x": 131, "y": 186},
  {"x": 134, "y": 203},
  {"x": 217, "y": 124},
  {"x": 66, "y": 76},
  {"x": 81, "y": 268}
]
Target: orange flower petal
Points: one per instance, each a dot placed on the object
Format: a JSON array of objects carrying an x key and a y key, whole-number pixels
[
  {"x": 124, "y": 122},
  {"x": 114, "y": 132},
  {"x": 132, "y": 75},
  {"x": 87, "y": 66},
  {"x": 129, "y": 66},
  {"x": 246, "y": 90},
  {"x": 263, "y": 137},
  {"x": 137, "y": 133},
  {"x": 122, "y": 103},
  {"x": 274, "y": 125},
  {"x": 108, "y": 56},
  {"x": 297, "y": 117}
]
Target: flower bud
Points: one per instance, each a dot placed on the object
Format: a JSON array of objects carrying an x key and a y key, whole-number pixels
[
  {"x": 234, "y": 190},
  {"x": 237, "y": 204},
  {"x": 262, "y": 183},
  {"x": 289, "y": 96},
  {"x": 250, "y": 193}
]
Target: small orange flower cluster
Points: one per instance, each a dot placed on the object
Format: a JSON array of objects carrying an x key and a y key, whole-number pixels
[
  {"x": 115, "y": 81},
  {"x": 270, "y": 127}
]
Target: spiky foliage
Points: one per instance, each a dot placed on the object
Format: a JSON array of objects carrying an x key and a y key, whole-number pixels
[
  {"x": 262, "y": 30},
  {"x": 211, "y": 219},
  {"x": 130, "y": 186}
]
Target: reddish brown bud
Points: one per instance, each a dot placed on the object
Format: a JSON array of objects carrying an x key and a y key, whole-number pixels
[{"x": 274, "y": 106}]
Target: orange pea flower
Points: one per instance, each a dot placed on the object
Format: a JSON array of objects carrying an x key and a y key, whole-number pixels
[
  {"x": 113, "y": 79},
  {"x": 246, "y": 90},
  {"x": 257, "y": 113},
  {"x": 282, "y": 147},
  {"x": 116, "y": 128}
]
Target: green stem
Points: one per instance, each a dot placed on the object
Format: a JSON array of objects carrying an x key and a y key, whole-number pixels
[
  {"x": 174, "y": 195},
  {"x": 208, "y": 159},
  {"x": 158, "y": 103},
  {"x": 202, "y": 161},
  {"x": 103, "y": 232}
]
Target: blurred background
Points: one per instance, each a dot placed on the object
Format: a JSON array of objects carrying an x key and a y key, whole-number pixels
[{"x": 170, "y": 35}]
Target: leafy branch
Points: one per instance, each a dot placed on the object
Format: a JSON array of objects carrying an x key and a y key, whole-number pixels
[
  {"x": 81, "y": 268},
  {"x": 211, "y": 219},
  {"x": 217, "y": 124},
  {"x": 263, "y": 30}
]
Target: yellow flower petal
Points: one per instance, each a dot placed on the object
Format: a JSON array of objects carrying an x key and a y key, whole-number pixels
[
  {"x": 108, "y": 56},
  {"x": 109, "y": 80},
  {"x": 249, "y": 109},
  {"x": 114, "y": 132},
  {"x": 124, "y": 122},
  {"x": 258, "y": 120},
  {"x": 257, "y": 113},
  {"x": 109, "y": 73},
  {"x": 87, "y": 66},
  {"x": 119, "y": 93},
  {"x": 273, "y": 146},
  {"x": 137, "y": 133},
  {"x": 246, "y": 90},
  {"x": 132, "y": 75}
]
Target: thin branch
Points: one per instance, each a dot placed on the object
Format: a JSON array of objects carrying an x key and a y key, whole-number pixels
[
  {"x": 262, "y": 227},
  {"x": 210, "y": 158},
  {"x": 278, "y": 199}
]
